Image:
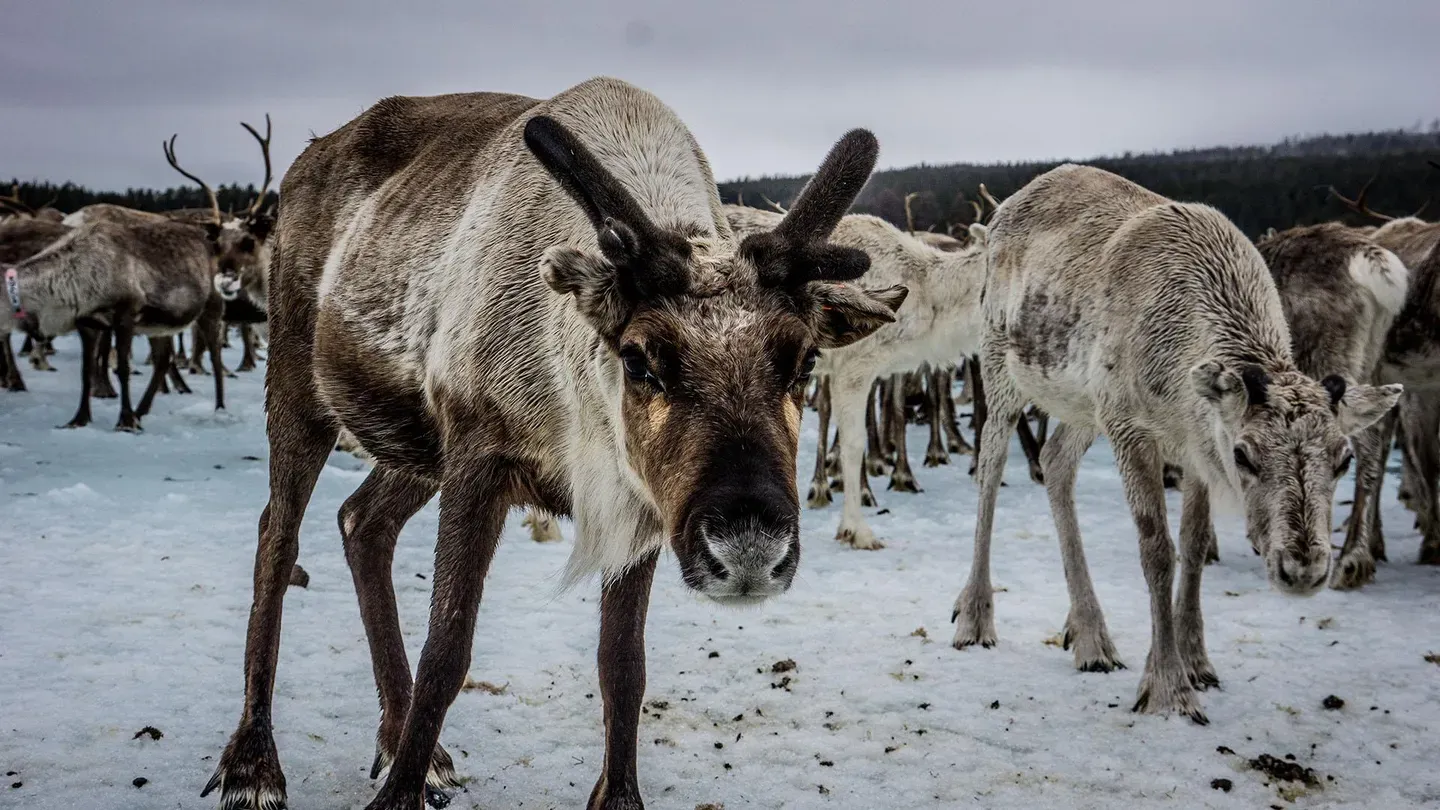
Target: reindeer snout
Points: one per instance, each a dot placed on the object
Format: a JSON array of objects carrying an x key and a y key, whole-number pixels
[
  {"x": 1301, "y": 571},
  {"x": 748, "y": 547}
]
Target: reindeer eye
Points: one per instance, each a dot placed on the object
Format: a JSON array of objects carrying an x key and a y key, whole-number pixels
[
  {"x": 807, "y": 367},
  {"x": 637, "y": 368},
  {"x": 1242, "y": 460},
  {"x": 1344, "y": 465}
]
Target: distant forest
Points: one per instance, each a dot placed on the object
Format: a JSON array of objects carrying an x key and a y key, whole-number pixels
[{"x": 1257, "y": 186}]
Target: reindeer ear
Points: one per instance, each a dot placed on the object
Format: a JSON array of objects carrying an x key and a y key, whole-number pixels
[
  {"x": 212, "y": 231},
  {"x": 592, "y": 280},
  {"x": 1361, "y": 406},
  {"x": 840, "y": 314}
]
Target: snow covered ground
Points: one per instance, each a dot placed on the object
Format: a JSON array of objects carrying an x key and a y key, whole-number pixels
[{"x": 125, "y": 564}]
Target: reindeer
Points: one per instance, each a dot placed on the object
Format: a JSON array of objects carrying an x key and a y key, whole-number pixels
[
  {"x": 149, "y": 278},
  {"x": 1412, "y": 356},
  {"x": 523, "y": 302},
  {"x": 129, "y": 272},
  {"x": 246, "y": 240},
  {"x": 1156, "y": 323},
  {"x": 1341, "y": 293},
  {"x": 21, "y": 238},
  {"x": 1412, "y": 239},
  {"x": 937, "y": 324}
]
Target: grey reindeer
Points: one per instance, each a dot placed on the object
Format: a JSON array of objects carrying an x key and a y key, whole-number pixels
[{"x": 1156, "y": 323}]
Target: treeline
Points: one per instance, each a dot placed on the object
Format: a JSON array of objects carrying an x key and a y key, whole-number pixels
[
  {"x": 68, "y": 197},
  {"x": 1258, "y": 187}
]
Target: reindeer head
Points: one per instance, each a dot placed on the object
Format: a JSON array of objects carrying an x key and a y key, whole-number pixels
[
  {"x": 1285, "y": 441},
  {"x": 241, "y": 258},
  {"x": 710, "y": 345}
]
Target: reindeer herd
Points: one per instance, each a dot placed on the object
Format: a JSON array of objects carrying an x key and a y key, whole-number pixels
[{"x": 543, "y": 304}]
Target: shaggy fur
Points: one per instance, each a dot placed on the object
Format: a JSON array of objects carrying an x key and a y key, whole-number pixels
[
  {"x": 1157, "y": 324},
  {"x": 1341, "y": 293},
  {"x": 21, "y": 238},
  {"x": 524, "y": 302}
]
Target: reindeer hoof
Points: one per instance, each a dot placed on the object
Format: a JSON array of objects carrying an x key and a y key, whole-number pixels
[
  {"x": 1429, "y": 554},
  {"x": 1169, "y": 693},
  {"x": 1353, "y": 570},
  {"x": 862, "y": 538},
  {"x": 974, "y": 620},
  {"x": 904, "y": 483},
  {"x": 875, "y": 468},
  {"x": 818, "y": 497},
  {"x": 249, "y": 776},
  {"x": 936, "y": 459},
  {"x": 1094, "y": 652}
]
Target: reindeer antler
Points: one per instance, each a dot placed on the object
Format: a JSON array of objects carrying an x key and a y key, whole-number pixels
[
  {"x": 14, "y": 203},
  {"x": 265, "y": 152},
  {"x": 174, "y": 164},
  {"x": 1358, "y": 204},
  {"x": 910, "y": 215},
  {"x": 989, "y": 198},
  {"x": 979, "y": 210},
  {"x": 773, "y": 204}
]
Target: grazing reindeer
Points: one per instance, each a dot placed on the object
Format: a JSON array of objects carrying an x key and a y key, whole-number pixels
[
  {"x": 1412, "y": 356},
  {"x": 1340, "y": 293},
  {"x": 1412, "y": 239},
  {"x": 518, "y": 302},
  {"x": 939, "y": 323},
  {"x": 1121, "y": 312},
  {"x": 21, "y": 238}
]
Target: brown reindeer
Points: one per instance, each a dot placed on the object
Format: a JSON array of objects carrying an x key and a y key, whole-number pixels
[
  {"x": 21, "y": 238},
  {"x": 523, "y": 302}
]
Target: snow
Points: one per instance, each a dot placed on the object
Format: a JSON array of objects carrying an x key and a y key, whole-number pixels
[{"x": 126, "y": 566}]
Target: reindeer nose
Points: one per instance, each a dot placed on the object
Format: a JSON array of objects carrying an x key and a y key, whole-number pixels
[
  {"x": 1305, "y": 571},
  {"x": 752, "y": 546}
]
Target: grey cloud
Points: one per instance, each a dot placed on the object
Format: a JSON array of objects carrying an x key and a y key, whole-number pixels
[{"x": 92, "y": 88}]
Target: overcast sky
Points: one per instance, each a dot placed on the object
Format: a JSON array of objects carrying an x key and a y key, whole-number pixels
[{"x": 91, "y": 88}]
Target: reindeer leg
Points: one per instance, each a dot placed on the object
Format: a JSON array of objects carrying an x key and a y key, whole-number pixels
[
  {"x": 1422, "y": 436},
  {"x": 874, "y": 446},
  {"x": 974, "y": 613},
  {"x": 1388, "y": 427},
  {"x": 124, "y": 334},
  {"x": 13, "y": 380},
  {"x": 213, "y": 327},
  {"x": 901, "y": 478},
  {"x": 820, "y": 483},
  {"x": 247, "y": 339},
  {"x": 1356, "y": 565},
  {"x": 1085, "y": 626},
  {"x": 89, "y": 337},
  {"x": 475, "y": 494},
  {"x": 161, "y": 350},
  {"x": 935, "y": 452},
  {"x": 370, "y": 522},
  {"x": 100, "y": 386},
  {"x": 848, "y": 403},
  {"x": 40, "y": 353},
  {"x": 1165, "y": 686},
  {"x": 954, "y": 439},
  {"x": 623, "y": 607},
  {"x": 979, "y": 411},
  {"x": 1031, "y": 446},
  {"x": 1197, "y": 535},
  {"x": 176, "y": 361},
  {"x": 301, "y": 435},
  {"x": 199, "y": 344}
]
